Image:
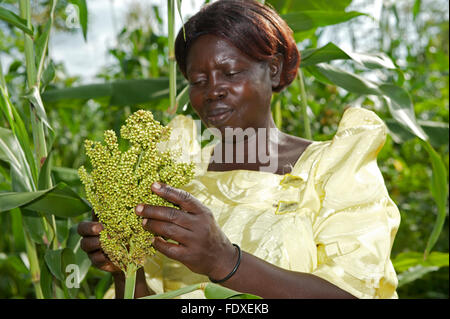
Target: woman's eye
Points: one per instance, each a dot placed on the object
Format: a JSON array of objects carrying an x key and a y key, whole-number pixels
[
  {"x": 198, "y": 82},
  {"x": 232, "y": 73}
]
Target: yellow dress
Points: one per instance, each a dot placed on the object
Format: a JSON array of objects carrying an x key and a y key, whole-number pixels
[{"x": 331, "y": 216}]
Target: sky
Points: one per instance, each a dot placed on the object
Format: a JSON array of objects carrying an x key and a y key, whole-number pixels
[{"x": 106, "y": 18}]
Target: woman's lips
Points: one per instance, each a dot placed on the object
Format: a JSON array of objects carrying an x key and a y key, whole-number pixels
[{"x": 219, "y": 116}]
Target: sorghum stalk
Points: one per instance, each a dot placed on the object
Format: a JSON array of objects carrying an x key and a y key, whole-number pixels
[
  {"x": 304, "y": 103},
  {"x": 172, "y": 63}
]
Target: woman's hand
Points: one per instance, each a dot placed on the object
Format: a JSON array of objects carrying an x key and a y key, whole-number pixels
[
  {"x": 90, "y": 243},
  {"x": 202, "y": 246}
]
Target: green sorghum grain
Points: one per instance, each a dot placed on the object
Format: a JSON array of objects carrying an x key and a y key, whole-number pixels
[{"x": 119, "y": 181}]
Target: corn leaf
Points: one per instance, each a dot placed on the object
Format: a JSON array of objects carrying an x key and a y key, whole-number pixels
[
  {"x": 413, "y": 274},
  {"x": 83, "y": 15},
  {"x": 33, "y": 226},
  {"x": 304, "y": 5},
  {"x": 401, "y": 108},
  {"x": 438, "y": 132},
  {"x": 331, "y": 52},
  {"x": 53, "y": 259},
  {"x": 14, "y": 20},
  {"x": 214, "y": 291},
  {"x": 397, "y": 99},
  {"x": 406, "y": 260},
  {"x": 35, "y": 98},
  {"x": 307, "y": 20},
  {"x": 120, "y": 93},
  {"x": 11, "y": 152},
  {"x": 439, "y": 190},
  {"x": 19, "y": 130},
  {"x": 59, "y": 200}
]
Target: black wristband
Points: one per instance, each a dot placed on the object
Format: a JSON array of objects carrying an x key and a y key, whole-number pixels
[{"x": 234, "y": 269}]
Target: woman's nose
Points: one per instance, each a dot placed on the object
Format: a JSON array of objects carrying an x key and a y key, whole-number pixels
[{"x": 216, "y": 89}]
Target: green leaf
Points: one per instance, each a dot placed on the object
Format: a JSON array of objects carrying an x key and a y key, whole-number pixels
[
  {"x": 406, "y": 260},
  {"x": 13, "y": 19},
  {"x": 438, "y": 132},
  {"x": 103, "y": 285},
  {"x": 66, "y": 175},
  {"x": 41, "y": 45},
  {"x": 397, "y": 98},
  {"x": 331, "y": 52},
  {"x": 83, "y": 15},
  {"x": 81, "y": 258},
  {"x": 19, "y": 130},
  {"x": 45, "y": 180},
  {"x": 12, "y": 153},
  {"x": 307, "y": 20},
  {"x": 35, "y": 99},
  {"x": 53, "y": 259},
  {"x": 346, "y": 80},
  {"x": 214, "y": 291},
  {"x": 401, "y": 108},
  {"x": 46, "y": 280},
  {"x": 183, "y": 97},
  {"x": 59, "y": 200},
  {"x": 34, "y": 226},
  {"x": 416, "y": 9},
  {"x": 439, "y": 190},
  {"x": 413, "y": 274},
  {"x": 120, "y": 93},
  {"x": 175, "y": 293},
  {"x": 296, "y": 5}
]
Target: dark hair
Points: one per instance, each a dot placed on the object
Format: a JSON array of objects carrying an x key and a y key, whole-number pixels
[{"x": 255, "y": 29}]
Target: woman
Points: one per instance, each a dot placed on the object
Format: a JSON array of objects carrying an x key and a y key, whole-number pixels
[{"x": 316, "y": 222}]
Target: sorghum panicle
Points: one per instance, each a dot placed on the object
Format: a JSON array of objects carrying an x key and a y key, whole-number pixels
[{"x": 119, "y": 181}]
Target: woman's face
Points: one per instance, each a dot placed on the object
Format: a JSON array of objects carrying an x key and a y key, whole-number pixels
[{"x": 228, "y": 88}]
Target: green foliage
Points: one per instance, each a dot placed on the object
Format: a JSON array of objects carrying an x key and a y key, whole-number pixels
[{"x": 401, "y": 73}]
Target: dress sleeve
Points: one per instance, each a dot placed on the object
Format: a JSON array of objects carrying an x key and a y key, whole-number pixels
[{"x": 355, "y": 227}]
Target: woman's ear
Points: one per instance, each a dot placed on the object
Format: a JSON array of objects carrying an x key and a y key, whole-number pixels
[{"x": 276, "y": 68}]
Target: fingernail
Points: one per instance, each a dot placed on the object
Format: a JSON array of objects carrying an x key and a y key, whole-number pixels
[
  {"x": 98, "y": 228},
  {"x": 144, "y": 221},
  {"x": 139, "y": 208},
  {"x": 156, "y": 185}
]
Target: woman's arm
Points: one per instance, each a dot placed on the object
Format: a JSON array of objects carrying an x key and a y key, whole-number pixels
[
  {"x": 263, "y": 279},
  {"x": 205, "y": 249}
]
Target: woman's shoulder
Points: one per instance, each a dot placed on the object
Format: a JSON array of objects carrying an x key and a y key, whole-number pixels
[{"x": 360, "y": 136}]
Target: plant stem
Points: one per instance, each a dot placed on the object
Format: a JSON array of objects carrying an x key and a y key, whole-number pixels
[
  {"x": 304, "y": 104},
  {"x": 278, "y": 116},
  {"x": 25, "y": 13},
  {"x": 172, "y": 63},
  {"x": 34, "y": 265},
  {"x": 130, "y": 281}
]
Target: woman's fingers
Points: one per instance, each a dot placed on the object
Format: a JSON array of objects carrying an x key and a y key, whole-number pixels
[
  {"x": 179, "y": 197},
  {"x": 90, "y": 244},
  {"x": 171, "y": 250},
  {"x": 167, "y": 230},
  {"x": 89, "y": 228},
  {"x": 100, "y": 260},
  {"x": 167, "y": 214}
]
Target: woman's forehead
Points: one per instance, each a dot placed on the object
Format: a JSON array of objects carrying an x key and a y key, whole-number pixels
[{"x": 215, "y": 50}]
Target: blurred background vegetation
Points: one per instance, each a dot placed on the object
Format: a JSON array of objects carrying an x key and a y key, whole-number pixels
[{"x": 412, "y": 33}]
